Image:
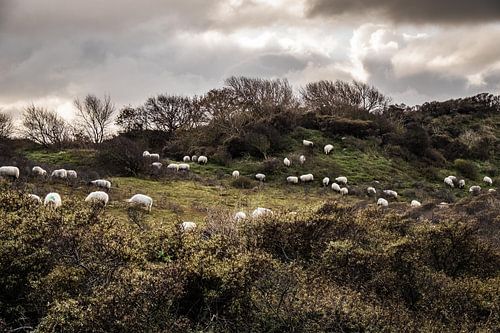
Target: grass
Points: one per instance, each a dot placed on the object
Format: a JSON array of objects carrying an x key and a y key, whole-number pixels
[{"x": 69, "y": 157}]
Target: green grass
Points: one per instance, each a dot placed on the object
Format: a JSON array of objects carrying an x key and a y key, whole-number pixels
[{"x": 76, "y": 157}]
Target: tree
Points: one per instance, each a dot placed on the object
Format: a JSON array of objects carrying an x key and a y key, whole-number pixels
[
  {"x": 169, "y": 113},
  {"x": 96, "y": 116},
  {"x": 6, "y": 126},
  {"x": 132, "y": 119},
  {"x": 44, "y": 127}
]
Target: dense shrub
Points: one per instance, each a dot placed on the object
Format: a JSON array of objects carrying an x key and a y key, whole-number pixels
[
  {"x": 121, "y": 156},
  {"x": 466, "y": 168},
  {"x": 243, "y": 182}
]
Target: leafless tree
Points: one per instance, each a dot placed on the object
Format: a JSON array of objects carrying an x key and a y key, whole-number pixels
[
  {"x": 96, "y": 116},
  {"x": 6, "y": 126},
  {"x": 44, "y": 127},
  {"x": 169, "y": 113}
]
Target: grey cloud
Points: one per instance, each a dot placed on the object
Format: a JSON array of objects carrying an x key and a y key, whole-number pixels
[{"x": 412, "y": 11}]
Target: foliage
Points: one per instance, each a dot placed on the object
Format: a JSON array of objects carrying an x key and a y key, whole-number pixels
[{"x": 466, "y": 168}]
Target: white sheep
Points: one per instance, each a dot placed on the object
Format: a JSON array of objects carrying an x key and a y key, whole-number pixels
[
  {"x": 475, "y": 189},
  {"x": 306, "y": 178},
  {"x": 449, "y": 181},
  {"x": 236, "y": 174},
  {"x": 98, "y": 196},
  {"x": 336, "y": 187},
  {"x": 202, "y": 160},
  {"x": 188, "y": 226},
  {"x": 240, "y": 216},
  {"x": 391, "y": 193},
  {"x": 302, "y": 159},
  {"x": 156, "y": 165},
  {"x": 38, "y": 171},
  {"x": 53, "y": 199},
  {"x": 488, "y": 180},
  {"x": 461, "y": 183},
  {"x": 492, "y": 191},
  {"x": 9, "y": 172},
  {"x": 142, "y": 200},
  {"x": 260, "y": 176},
  {"x": 292, "y": 179},
  {"x": 453, "y": 178},
  {"x": 194, "y": 158},
  {"x": 186, "y": 159},
  {"x": 326, "y": 181},
  {"x": 415, "y": 203},
  {"x": 307, "y": 143},
  {"x": 287, "y": 162},
  {"x": 328, "y": 149},
  {"x": 344, "y": 191},
  {"x": 342, "y": 180},
  {"x": 72, "y": 174},
  {"x": 35, "y": 198},
  {"x": 103, "y": 183},
  {"x": 173, "y": 166},
  {"x": 184, "y": 167},
  {"x": 371, "y": 190},
  {"x": 382, "y": 202},
  {"x": 259, "y": 211},
  {"x": 60, "y": 173},
  {"x": 146, "y": 154},
  {"x": 154, "y": 156}
]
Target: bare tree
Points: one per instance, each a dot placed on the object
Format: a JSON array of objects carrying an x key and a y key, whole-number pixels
[
  {"x": 169, "y": 113},
  {"x": 6, "y": 126},
  {"x": 96, "y": 116},
  {"x": 44, "y": 127}
]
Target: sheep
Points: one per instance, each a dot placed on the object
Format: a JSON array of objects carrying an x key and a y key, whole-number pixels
[
  {"x": 194, "y": 158},
  {"x": 328, "y": 149},
  {"x": 336, "y": 187},
  {"x": 287, "y": 162},
  {"x": 188, "y": 226},
  {"x": 475, "y": 189},
  {"x": 38, "y": 171},
  {"x": 186, "y": 159},
  {"x": 184, "y": 167},
  {"x": 326, "y": 181},
  {"x": 146, "y": 154},
  {"x": 53, "y": 199},
  {"x": 488, "y": 180},
  {"x": 260, "y": 177},
  {"x": 307, "y": 143},
  {"x": 98, "y": 196},
  {"x": 60, "y": 173},
  {"x": 143, "y": 200},
  {"x": 156, "y": 165},
  {"x": 461, "y": 183},
  {"x": 202, "y": 160},
  {"x": 35, "y": 198},
  {"x": 173, "y": 166},
  {"x": 236, "y": 174},
  {"x": 342, "y": 180},
  {"x": 292, "y": 179},
  {"x": 382, "y": 202},
  {"x": 415, "y": 203},
  {"x": 449, "y": 181},
  {"x": 453, "y": 178},
  {"x": 9, "y": 172},
  {"x": 391, "y": 193},
  {"x": 302, "y": 159},
  {"x": 154, "y": 156},
  {"x": 306, "y": 178},
  {"x": 371, "y": 191},
  {"x": 492, "y": 191},
  {"x": 72, "y": 174},
  {"x": 101, "y": 183},
  {"x": 259, "y": 211},
  {"x": 344, "y": 191},
  {"x": 240, "y": 216}
]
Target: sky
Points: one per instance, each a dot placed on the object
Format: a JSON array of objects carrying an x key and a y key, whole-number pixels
[{"x": 54, "y": 51}]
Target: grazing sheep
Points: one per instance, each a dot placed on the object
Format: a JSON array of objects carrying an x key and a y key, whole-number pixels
[
  {"x": 142, "y": 200},
  {"x": 72, "y": 174},
  {"x": 292, "y": 179},
  {"x": 240, "y": 216},
  {"x": 194, "y": 158},
  {"x": 453, "y": 178},
  {"x": 492, "y": 191},
  {"x": 184, "y": 167},
  {"x": 146, "y": 154},
  {"x": 302, "y": 159},
  {"x": 448, "y": 181},
  {"x": 259, "y": 211},
  {"x": 38, "y": 171},
  {"x": 306, "y": 178},
  {"x": 186, "y": 159},
  {"x": 9, "y": 172},
  {"x": 260, "y": 177},
  {"x": 53, "y": 199},
  {"x": 382, "y": 202},
  {"x": 461, "y": 183},
  {"x": 287, "y": 162},
  {"x": 188, "y": 226},
  {"x": 344, "y": 191},
  {"x": 391, "y": 193},
  {"x": 101, "y": 183},
  {"x": 202, "y": 160},
  {"x": 415, "y": 203},
  {"x": 236, "y": 174},
  {"x": 475, "y": 189},
  {"x": 488, "y": 180},
  {"x": 307, "y": 143},
  {"x": 371, "y": 190},
  {"x": 328, "y": 149},
  {"x": 98, "y": 196},
  {"x": 60, "y": 173},
  {"x": 154, "y": 156},
  {"x": 336, "y": 187},
  {"x": 326, "y": 181},
  {"x": 35, "y": 198},
  {"x": 342, "y": 180},
  {"x": 156, "y": 165},
  {"x": 173, "y": 166}
]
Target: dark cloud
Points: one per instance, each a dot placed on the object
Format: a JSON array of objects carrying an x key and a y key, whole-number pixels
[{"x": 411, "y": 11}]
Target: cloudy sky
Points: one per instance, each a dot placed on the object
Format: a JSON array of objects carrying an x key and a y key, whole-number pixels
[{"x": 52, "y": 51}]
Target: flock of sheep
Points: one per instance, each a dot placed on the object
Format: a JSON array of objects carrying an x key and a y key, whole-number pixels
[{"x": 340, "y": 185}]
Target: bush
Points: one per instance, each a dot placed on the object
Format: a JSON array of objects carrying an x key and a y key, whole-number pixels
[
  {"x": 121, "y": 156},
  {"x": 466, "y": 168},
  {"x": 243, "y": 182}
]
